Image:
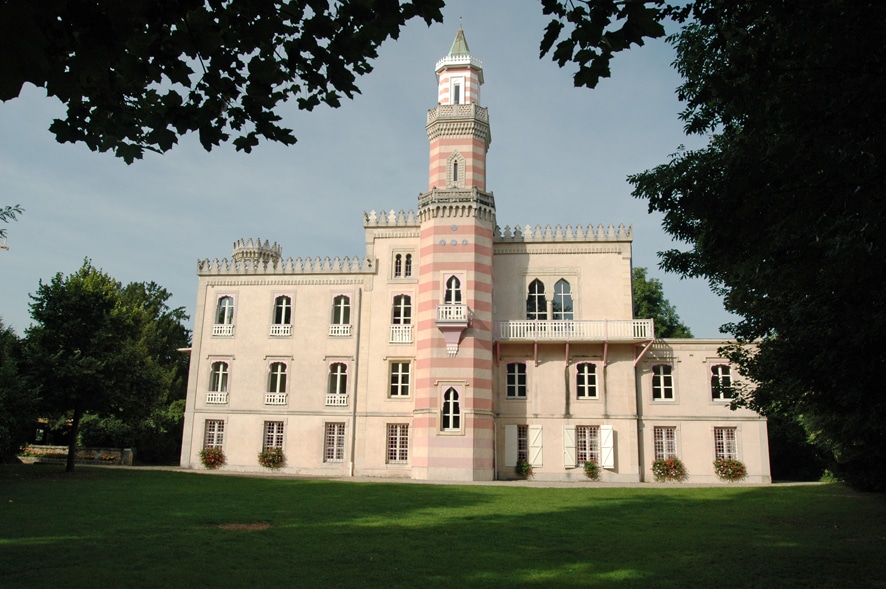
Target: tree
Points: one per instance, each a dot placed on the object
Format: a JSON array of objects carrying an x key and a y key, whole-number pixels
[
  {"x": 784, "y": 209},
  {"x": 136, "y": 75},
  {"x": 18, "y": 404},
  {"x": 98, "y": 347},
  {"x": 8, "y": 214},
  {"x": 650, "y": 303}
]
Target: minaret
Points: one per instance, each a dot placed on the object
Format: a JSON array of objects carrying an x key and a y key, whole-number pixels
[{"x": 453, "y": 418}]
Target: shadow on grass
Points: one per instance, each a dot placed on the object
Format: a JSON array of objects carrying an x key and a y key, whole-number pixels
[{"x": 152, "y": 529}]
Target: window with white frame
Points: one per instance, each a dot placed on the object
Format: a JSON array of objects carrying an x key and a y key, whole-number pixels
[
  {"x": 218, "y": 383},
  {"x": 452, "y": 294},
  {"x": 282, "y": 321},
  {"x": 536, "y": 304},
  {"x": 662, "y": 382},
  {"x": 277, "y": 377},
  {"x": 225, "y": 311},
  {"x": 523, "y": 442},
  {"x": 273, "y": 435},
  {"x": 721, "y": 382},
  {"x": 401, "y": 313},
  {"x": 334, "y": 442},
  {"x": 398, "y": 265},
  {"x": 725, "y": 446},
  {"x": 398, "y": 443},
  {"x": 407, "y": 266},
  {"x": 341, "y": 310},
  {"x": 562, "y": 306},
  {"x": 451, "y": 414},
  {"x": 338, "y": 378},
  {"x": 665, "y": 442},
  {"x": 515, "y": 385},
  {"x": 400, "y": 373},
  {"x": 586, "y": 380},
  {"x": 213, "y": 433},
  {"x": 587, "y": 444}
]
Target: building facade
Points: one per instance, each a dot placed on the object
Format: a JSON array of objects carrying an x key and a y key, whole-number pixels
[{"x": 454, "y": 348}]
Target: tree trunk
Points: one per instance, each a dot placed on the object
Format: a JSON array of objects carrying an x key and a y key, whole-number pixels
[{"x": 72, "y": 441}]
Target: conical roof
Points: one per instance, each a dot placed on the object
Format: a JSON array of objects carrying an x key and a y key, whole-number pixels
[{"x": 460, "y": 45}]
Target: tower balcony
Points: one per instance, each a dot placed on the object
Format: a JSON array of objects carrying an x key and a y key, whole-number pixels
[
  {"x": 603, "y": 330},
  {"x": 455, "y": 315}
]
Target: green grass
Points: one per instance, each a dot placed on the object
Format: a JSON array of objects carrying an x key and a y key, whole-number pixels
[{"x": 107, "y": 528}]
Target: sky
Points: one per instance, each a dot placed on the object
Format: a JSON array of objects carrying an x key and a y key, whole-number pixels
[{"x": 559, "y": 155}]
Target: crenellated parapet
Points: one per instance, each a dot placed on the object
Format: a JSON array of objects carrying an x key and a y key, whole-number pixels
[
  {"x": 289, "y": 266},
  {"x": 249, "y": 249},
  {"x": 459, "y": 120},
  {"x": 578, "y": 233},
  {"x": 390, "y": 219},
  {"x": 456, "y": 203}
]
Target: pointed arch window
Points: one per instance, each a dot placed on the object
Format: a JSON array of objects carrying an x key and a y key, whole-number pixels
[
  {"x": 407, "y": 268},
  {"x": 451, "y": 410},
  {"x": 536, "y": 306},
  {"x": 562, "y": 307},
  {"x": 452, "y": 296},
  {"x": 398, "y": 265}
]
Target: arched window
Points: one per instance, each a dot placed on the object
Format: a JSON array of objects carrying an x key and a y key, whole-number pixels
[
  {"x": 341, "y": 310},
  {"x": 398, "y": 265},
  {"x": 282, "y": 310},
  {"x": 402, "y": 311},
  {"x": 452, "y": 295},
  {"x": 407, "y": 271},
  {"x": 277, "y": 378},
  {"x": 451, "y": 410},
  {"x": 536, "y": 306},
  {"x": 338, "y": 378},
  {"x": 562, "y": 307},
  {"x": 586, "y": 380},
  {"x": 225, "y": 311},
  {"x": 218, "y": 377},
  {"x": 455, "y": 171}
]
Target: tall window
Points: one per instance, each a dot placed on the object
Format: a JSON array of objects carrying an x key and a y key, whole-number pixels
[
  {"x": 724, "y": 443},
  {"x": 451, "y": 410},
  {"x": 516, "y": 380},
  {"x": 334, "y": 442},
  {"x": 341, "y": 310},
  {"x": 562, "y": 307},
  {"x": 452, "y": 296},
  {"x": 273, "y": 435},
  {"x": 407, "y": 267},
  {"x": 282, "y": 310},
  {"x": 523, "y": 443},
  {"x": 586, "y": 380},
  {"x": 218, "y": 377},
  {"x": 665, "y": 441},
  {"x": 400, "y": 379},
  {"x": 338, "y": 378},
  {"x": 662, "y": 382},
  {"x": 587, "y": 443},
  {"x": 721, "y": 382},
  {"x": 398, "y": 443},
  {"x": 536, "y": 306},
  {"x": 455, "y": 170},
  {"x": 398, "y": 265},
  {"x": 402, "y": 311},
  {"x": 277, "y": 378},
  {"x": 213, "y": 433},
  {"x": 225, "y": 311},
  {"x": 456, "y": 93}
]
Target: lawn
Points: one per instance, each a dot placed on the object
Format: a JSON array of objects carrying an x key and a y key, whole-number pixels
[{"x": 108, "y": 528}]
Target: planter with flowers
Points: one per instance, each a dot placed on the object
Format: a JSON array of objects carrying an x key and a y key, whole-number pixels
[
  {"x": 669, "y": 470},
  {"x": 212, "y": 457},
  {"x": 592, "y": 470},
  {"x": 523, "y": 469},
  {"x": 729, "y": 469},
  {"x": 272, "y": 458}
]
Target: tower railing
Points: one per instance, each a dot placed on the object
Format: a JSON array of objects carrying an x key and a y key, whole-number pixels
[{"x": 626, "y": 330}]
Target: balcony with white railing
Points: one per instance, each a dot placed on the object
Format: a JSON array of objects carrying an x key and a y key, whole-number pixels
[
  {"x": 336, "y": 400},
  {"x": 281, "y": 330},
  {"x": 603, "y": 330},
  {"x": 275, "y": 398},
  {"x": 216, "y": 398},
  {"x": 454, "y": 314},
  {"x": 400, "y": 334},
  {"x": 339, "y": 330},
  {"x": 223, "y": 330}
]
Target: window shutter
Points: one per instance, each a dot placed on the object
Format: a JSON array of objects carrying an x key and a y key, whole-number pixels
[
  {"x": 569, "y": 446},
  {"x": 510, "y": 445},
  {"x": 535, "y": 445},
  {"x": 607, "y": 446}
]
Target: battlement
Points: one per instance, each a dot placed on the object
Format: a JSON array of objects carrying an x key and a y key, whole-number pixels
[
  {"x": 317, "y": 265},
  {"x": 390, "y": 219},
  {"x": 569, "y": 233},
  {"x": 247, "y": 249}
]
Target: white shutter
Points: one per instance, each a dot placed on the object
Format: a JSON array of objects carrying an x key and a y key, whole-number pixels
[
  {"x": 535, "y": 445},
  {"x": 607, "y": 446},
  {"x": 510, "y": 445},
  {"x": 569, "y": 446}
]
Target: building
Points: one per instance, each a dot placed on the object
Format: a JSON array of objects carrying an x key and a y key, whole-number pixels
[{"x": 454, "y": 348}]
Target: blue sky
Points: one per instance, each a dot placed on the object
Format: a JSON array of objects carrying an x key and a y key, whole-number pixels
[{"x": 559, "y": 155}]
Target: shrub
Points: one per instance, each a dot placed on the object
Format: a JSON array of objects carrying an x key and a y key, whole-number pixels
[
  {"x": 592, "y": 470},
  {"x": 666, "y": 470},
  {"x": 212, "y": 457},
  {"x": 271, "y": 457},
  {"x": 523, "y": 469},
  {"x": 730, "y": 470}
]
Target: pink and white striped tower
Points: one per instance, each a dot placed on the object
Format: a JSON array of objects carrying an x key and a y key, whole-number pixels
[{"x": 453, "y": 420}]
